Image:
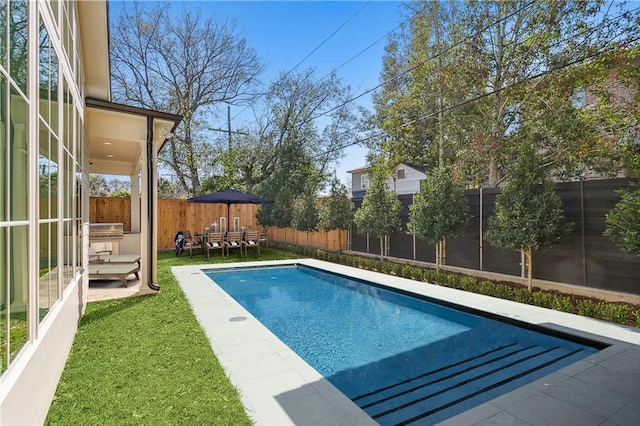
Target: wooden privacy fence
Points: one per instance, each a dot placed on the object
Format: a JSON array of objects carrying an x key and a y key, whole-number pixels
[{"x": 175, "y": 215}]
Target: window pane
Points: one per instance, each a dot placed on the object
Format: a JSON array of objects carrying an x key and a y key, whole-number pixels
[
  {"x": 4, "y": 286},
  {"x": 67, "y": 264},
  {"x": 18, "y": 42},
  {"x": 44, "y": 77},
  {"x": 3, "y": 33},
  {"x": 18, "y": 157},
  {"x": 54, "y": 91},
  {"x": 18, "y": 288},
  {"x": 48, "y": 282},
  {"x": 44, "y": 173},
  {"x": 4, "y": 119}
]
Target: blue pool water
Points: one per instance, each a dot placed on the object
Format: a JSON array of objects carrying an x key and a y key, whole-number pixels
[{"x": 402, "y": 359}]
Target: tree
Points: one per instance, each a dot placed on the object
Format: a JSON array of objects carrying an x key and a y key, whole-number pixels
[
  {"x": 466, "y": 80},
  {"x": 439, "y": 211},
  {"x": 306, "y": 216},
  {"x": 623, "y": 222},
  {"x": 337, "y": 209},
  {"x": 295, "y": 146},
  {"x": 419, "y": 79},
  {"x": 185, "y": 64},
  {"x": 98, "y": 186},
  {"x": 379, "y": 214},
  {"x": 528, "y": 213}
]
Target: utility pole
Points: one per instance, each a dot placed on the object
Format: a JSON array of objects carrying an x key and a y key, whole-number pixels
[
  {"x": 228, "y": 129},
  {"x": 229, "y": 123}
]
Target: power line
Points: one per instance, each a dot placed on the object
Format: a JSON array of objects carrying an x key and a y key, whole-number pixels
[
  {"x": 441, "y": 53},
  {"x": 329, "y": 37},
  {"x": 477, "y": 98},
  {"x": 573, "y": 36},
  {"x": 315, "y": 49}
]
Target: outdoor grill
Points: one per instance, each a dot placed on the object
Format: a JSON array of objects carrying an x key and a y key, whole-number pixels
[{"x": 105, "y": 232}]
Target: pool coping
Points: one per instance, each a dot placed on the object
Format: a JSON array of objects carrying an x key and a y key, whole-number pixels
[{"x": 277, "y": 387}]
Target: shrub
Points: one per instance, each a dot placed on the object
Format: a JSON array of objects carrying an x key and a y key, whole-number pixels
[
  {"x": 487, "y": 287},
  {"x": 542, "y": 299},
  {"x": 503, "y": 291},
  {"x": 615, "y": 312},
  {"x": 562, "y": 303},
  {"x": 452, "y": 280},
  {"x": 588, "y": 308},
  {"x": 428, "y": 275},
  {"x": 469, "y": 284},
  {"x": 523, "y": 295}
]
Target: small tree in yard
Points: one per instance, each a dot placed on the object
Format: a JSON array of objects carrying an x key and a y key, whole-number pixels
[
  {"x": 306, "y": 214},
  {"x": 337, "y": 210},
  {"x": 528, "y": 213},
  {"x": 439, "y": 211},
  {"x": 379, "y": 214},
  {"x": 623, "y": 222}
]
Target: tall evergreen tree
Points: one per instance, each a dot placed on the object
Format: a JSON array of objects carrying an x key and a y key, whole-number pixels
[
  {"x": 337, "y": 209},
  {"x": 439, "y": 211},
  {"x": 528, "y": 212},
  {"x": 379, "y": 214}
]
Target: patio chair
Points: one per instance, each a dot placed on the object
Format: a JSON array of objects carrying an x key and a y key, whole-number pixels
[
  {"x": 191, "y": 242},
  {"x": 215, "y": 241},
  {"x": 233, "y": 241},
  {"x": 104, "y": 271},
  {"x": 251, "y": 240},
  {"x": 102, "y": 257}
]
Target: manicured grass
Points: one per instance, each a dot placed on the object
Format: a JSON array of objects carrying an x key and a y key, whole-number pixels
[{"x": 146, "y": 361}]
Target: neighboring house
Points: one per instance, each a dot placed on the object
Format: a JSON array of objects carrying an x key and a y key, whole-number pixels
[
  {"x": 405, "y": 179},
  {"x": 621, "y": 94},
  {"x": 57, "y": 125}
]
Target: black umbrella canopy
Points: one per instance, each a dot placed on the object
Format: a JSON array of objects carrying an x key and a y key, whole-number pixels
[{"x": 228, "y": 197}]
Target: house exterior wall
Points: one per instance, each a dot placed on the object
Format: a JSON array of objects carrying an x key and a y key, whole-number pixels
[
  {"x": 410, "y": 184},
  {"x": 359, "y": 183},
  {"x": 43, "y": 286},
  {"x": 405, "y": 180}
]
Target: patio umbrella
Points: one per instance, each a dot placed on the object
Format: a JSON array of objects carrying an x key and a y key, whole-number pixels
[{"x": 228, "y": 197}]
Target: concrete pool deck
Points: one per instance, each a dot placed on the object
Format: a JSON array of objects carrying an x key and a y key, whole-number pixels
[{"x": 279, "y": 388}]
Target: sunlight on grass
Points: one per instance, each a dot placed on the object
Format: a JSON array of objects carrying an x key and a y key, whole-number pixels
[{"x": 146, "y": 360}]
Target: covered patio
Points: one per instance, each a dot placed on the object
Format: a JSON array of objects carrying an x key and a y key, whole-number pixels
[{"x": 125, "y": 140}]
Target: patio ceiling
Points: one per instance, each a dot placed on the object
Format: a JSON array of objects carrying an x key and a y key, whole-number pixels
[{"x": 117, "y": 134}]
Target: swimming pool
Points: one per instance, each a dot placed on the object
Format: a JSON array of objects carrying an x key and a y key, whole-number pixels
[{"x": 402, "y": 359}]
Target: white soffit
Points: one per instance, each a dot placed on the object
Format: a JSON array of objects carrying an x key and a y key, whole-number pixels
[
  {"x": 117, "y": 135},
  {"x": 93, "y": 24},
  {"x": 114, "y": 141}
]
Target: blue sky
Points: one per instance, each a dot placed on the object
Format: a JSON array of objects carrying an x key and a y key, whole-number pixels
[{"x": 283, "y": 33}]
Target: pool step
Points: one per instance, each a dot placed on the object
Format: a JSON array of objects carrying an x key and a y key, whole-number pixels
[{"x": 442, "y": 392}]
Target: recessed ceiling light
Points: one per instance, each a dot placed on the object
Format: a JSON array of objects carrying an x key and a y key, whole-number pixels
[
  {"x": 110, "y": 155},
  {"x": 107, "y": 143}
]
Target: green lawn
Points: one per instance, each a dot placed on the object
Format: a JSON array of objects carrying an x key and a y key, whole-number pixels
[{"x": 146, "y": 361}]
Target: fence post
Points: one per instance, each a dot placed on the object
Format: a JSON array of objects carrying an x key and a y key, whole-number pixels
[
  {"x": 481, "y": 219},
  {"x": 584, "y": 240}
]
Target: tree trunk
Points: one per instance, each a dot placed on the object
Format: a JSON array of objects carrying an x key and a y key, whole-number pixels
[
  {"x": 529, "y": 268},
  {"x": 381, "y": 248},
  {"x": 443, "y": 252}
]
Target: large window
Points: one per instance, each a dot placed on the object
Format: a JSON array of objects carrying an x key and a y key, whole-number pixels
[
  {"x": 14, "y": 212},
  {"x": 40, "y": 224}
]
